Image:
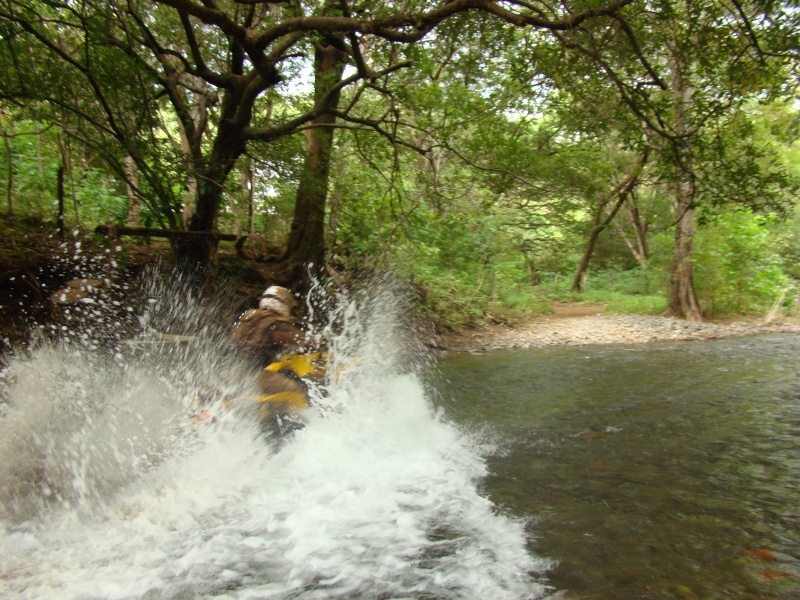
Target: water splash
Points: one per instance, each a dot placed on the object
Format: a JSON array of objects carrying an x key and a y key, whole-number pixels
[{"x": 112, "y": 493}]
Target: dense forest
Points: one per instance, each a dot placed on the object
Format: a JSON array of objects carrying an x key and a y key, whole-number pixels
[{"x": 491, "y": 154}]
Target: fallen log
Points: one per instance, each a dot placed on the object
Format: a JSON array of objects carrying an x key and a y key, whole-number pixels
[{"x": 173, "y": 234}]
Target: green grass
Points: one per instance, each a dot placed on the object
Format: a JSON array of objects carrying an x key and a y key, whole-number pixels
[
  {"x": 619, "y": 303},
  {"x": 624, "y": 292}
]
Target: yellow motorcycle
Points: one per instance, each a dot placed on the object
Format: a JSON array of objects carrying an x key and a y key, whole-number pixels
[{"x": 284, "y": 394}]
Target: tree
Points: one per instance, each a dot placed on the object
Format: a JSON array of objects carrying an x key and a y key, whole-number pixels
[
  {"x": 64, "y": 66},
  {"x": 683, "y": 298},
  {"x": 689, "y": 65},
  {"x": 306, "y": 246},
  {"x": 217, "y": 65},
  {"x": 605, "y": 210}
]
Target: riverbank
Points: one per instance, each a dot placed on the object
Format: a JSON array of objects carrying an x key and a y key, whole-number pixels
[
  {"x": 34, "y": 263},
  {"x": 582, "y": 324}
]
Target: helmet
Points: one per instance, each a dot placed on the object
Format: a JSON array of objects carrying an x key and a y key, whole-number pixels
[{"x": 277, "y": 298}]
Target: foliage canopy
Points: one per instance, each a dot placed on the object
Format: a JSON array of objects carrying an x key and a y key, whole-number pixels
[{"x": 475, "y": 146}]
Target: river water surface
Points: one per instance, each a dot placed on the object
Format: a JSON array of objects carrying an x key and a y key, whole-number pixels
[
  {"x": 652, "y": 471},
  {"x": 648, "y": 471}
]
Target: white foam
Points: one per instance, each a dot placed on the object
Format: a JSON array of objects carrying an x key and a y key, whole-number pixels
[{"x": 376, "y": 496}]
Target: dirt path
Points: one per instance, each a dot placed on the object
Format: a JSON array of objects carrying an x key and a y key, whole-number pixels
[{"x": 573, "y": 324}]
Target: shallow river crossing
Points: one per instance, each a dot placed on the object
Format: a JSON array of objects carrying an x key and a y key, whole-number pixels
[{"x": 603, "y": 472}]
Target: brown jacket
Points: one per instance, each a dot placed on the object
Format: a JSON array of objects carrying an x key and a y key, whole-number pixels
[{"x": 266, "y": 331}]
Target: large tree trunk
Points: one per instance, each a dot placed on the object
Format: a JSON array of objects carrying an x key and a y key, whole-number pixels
[
  {"x": 306, "y": 248},
  {"x": 197, "y": 253},
  {"x": 683, "y": 299},
  {"x": 131, "y": 184}
]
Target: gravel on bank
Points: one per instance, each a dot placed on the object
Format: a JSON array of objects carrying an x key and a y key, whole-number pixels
[{"x": 604, "y": 329}]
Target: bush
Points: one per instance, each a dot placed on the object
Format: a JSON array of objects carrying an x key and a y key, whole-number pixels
[{"x": 737, "y": 268}]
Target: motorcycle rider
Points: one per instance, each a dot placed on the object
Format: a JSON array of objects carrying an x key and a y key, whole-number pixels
[
  {"x": 272, "y": 336},
  {"x": 269, "y": 331}
]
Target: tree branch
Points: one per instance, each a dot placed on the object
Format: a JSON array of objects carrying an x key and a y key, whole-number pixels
[
  {"x": 403, "y": 27},
  {"x": 200, "y": 65},
  {"x": 264, "y": 134}
]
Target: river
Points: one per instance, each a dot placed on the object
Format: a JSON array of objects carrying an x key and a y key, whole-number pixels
[
  {"x": 648, "y": 471},
  {"x": 651, "y": 471}
]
